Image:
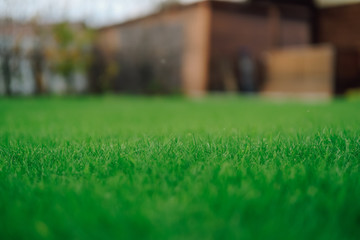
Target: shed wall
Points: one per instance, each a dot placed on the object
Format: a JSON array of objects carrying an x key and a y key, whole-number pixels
[
  {"x": 165, "y": 52},
  {"x": 147, "y": 53}
]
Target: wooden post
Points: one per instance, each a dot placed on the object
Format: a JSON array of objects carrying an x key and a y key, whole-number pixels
[{"x": 197, "y": 53}]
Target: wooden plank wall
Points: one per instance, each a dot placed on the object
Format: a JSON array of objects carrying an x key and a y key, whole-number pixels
[{"x": 304, "y": 72}]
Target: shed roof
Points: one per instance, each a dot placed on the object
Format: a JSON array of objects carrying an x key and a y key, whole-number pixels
[{"x": 236, "y": 4}]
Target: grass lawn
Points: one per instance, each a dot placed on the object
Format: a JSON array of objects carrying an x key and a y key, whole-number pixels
[{"x": 174, "y": 168}]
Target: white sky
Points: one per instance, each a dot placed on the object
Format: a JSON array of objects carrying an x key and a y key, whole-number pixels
[{"x": 94, "y": 12}]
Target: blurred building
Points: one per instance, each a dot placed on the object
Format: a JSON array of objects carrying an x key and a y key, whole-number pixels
[
  {"x": 228, "y": 46},
  {"x": 205, "y": 46}
]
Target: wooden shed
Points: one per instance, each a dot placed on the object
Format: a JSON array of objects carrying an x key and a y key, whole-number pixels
[{"x": 204, "y": 46}]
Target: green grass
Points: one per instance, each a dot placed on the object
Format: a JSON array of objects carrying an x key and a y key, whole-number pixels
[{"x": 173, "y": 168}]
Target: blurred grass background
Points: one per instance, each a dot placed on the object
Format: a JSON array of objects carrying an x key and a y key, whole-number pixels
[{"x": 174, "y": 168}]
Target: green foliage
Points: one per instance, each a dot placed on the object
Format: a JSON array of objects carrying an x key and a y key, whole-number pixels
[
  {"x": 72, "y": 50},
  {"x": 172, "y": 168},
  {"x": 64, "y": 35}
]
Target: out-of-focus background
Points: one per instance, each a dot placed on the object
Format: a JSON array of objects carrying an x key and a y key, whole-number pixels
[{"x": 291, "y": 48}]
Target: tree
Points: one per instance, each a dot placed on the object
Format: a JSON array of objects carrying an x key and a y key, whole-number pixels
[
  {"x": 71, "y": 52},
  {"x": 9, "y": 54},
  {"x": 6, "y": 71}
]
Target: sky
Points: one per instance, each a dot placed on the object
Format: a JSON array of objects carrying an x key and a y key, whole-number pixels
[{"x": 93, "y": 12}]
